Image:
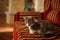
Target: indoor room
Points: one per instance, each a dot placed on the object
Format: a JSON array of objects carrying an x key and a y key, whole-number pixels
[{"x": 29, "y": 19}]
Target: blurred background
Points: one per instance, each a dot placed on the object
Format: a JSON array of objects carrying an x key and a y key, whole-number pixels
[{"x": 6, "y": 29}]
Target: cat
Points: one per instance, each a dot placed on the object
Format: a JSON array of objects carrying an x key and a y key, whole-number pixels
[
  {"x": 47, "y": 28},
  {"x": 39, "y": 27},
  {"x": 31, "y": 23}
]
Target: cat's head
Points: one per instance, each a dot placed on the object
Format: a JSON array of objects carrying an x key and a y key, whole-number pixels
[{"x": 29, "y": 20}]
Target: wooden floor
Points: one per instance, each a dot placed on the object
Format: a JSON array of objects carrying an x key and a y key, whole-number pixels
[{"x": 5, "y": 29}]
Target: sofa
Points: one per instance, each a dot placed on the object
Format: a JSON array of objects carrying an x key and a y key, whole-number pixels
[
  {"x": 51, "y": 14},
  {"x": 21, "y": 32}
]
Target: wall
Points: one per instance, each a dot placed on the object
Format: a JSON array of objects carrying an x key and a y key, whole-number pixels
[
  {"x": 16, "y": 5},
  {"x": 39, "y": 5},
  {"x": 3, "y": 6}
]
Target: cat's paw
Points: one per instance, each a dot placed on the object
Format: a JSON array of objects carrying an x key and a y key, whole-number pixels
[{"x": 31, "y": 32}]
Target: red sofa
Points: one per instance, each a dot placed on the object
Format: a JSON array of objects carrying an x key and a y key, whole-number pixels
[
  {"x": 52, "y": 14},
  {"x": 21, "y": 31}
]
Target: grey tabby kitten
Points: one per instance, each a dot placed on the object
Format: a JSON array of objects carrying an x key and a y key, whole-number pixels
[
  {"x": 32, "y": 25},
  {"x": 40, "y": 27}
]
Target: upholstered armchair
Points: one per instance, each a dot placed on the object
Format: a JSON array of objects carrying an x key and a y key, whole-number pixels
[{"x": 52, "y": 11}]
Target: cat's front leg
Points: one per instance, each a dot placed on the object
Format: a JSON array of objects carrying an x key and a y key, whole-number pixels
[{"x": 31, "y": 31}]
